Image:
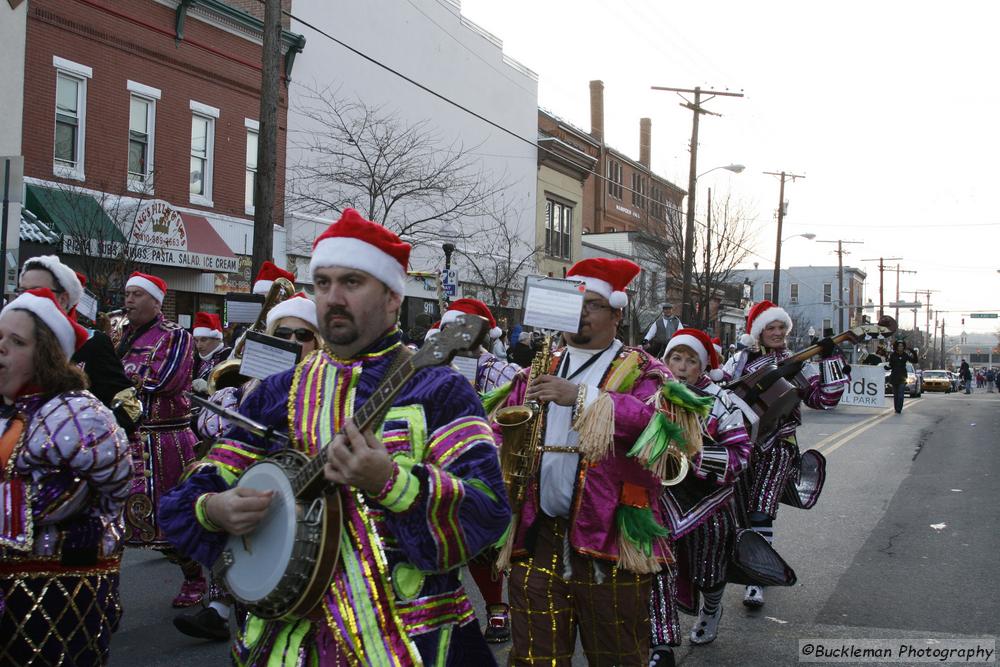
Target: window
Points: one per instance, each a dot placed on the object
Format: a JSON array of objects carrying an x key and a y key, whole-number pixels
[
  {"x": 141, "y": 132},
  {"x": 70, "y": 121},
  {"x": 558, "y": 229},
  {"x": 767, "y": 292},
  {"x": 827, "y": 292},
  {"x": 253, "y": 129},
  {"x": 827, "y": 325},
  {"x": 202, "y": 152},
  {"x": 638, "y": 190},
  {"x": 656, "y": 208},
  {"x": 615, "y": 179},
  {"x": 794, "y": 297}
]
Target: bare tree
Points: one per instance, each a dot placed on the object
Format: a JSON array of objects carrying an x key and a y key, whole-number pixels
[
  {"x": 498, "y": 258},
  {"x": 406, "y": 176}
]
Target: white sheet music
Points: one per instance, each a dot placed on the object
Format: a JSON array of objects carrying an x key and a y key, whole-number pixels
[
  {"x": 242, "y": 312},
  {"x": 553, "y": 303},
  {"x": 261, "y": 360},
  {"x": 87, "y": 306},
  {"x": 467, "y": 366}
]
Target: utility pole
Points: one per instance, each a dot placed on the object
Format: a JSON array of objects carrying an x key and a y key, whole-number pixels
[
  {"x": 934, "y": 341},
  {"x": 898, "y": 271},
  {"x": 776, "y": 281},
  {"x": 943, "y": 362},
  {"x": 927, "y": 317},
  {"x": 840, "y": 278},
  {"x": 687, "y": 310},
  {"x": 707, "y": 297},
  {"x": 881, "y": 282},
  {"x": 267, "y": 139}
]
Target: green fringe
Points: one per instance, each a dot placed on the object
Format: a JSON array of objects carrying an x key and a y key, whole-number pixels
[
  {"x": 660, "y": 431},
  {"x": 639, "y": 526},
  {"x": 679, "y": 394},
  {"x": 493, "y": 398}
]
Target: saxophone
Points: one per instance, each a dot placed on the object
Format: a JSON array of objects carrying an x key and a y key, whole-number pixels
[{"x": 521, "y": 427}]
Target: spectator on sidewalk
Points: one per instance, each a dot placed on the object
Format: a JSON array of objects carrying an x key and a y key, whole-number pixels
[{"x": 991, "y": 377}]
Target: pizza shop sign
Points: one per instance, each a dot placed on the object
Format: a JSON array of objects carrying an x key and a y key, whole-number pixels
[{"x": 159, "y": 236}]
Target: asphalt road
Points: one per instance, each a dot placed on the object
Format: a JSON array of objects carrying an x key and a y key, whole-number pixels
[{"x": 904, "y": 543}]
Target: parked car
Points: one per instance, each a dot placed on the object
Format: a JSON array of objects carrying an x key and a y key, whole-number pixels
[
  {"x": 937, "y": 381},
  {"x": 914, "y": 382}
]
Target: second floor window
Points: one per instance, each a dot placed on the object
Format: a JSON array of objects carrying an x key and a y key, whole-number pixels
[
  {"x": 656, "y": 201},
  {"x": 251, "y": 169},
  {"x": 794, "y": 296},
  {"x": 71, "y": 96},
  {"x": 140, "y": 141},
  {"x": 202, "y": 137},
  {"x": 827, "y": 292},
  {"x": 638, "y": 191},
  {"x": 615, "y": 179},
  {"x": 768, "y": 296},
  {"x": 558, "y": 229}
]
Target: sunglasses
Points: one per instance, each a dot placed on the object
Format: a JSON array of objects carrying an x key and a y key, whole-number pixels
[{"x": 301, "y": 335}]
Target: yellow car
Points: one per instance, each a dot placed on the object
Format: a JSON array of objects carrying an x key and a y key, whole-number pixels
[{"x": 937, "y": 381}]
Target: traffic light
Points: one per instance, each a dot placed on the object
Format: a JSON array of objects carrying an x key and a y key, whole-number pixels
[{"x": 963, "y": 321}]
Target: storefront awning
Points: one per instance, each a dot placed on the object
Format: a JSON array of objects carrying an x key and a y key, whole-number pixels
[
  {"x": 71, "y": 214},
  {"x": 163, "y": 235}
]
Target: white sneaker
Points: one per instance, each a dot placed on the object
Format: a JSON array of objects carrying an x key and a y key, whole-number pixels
[
  {"x": 707, "y": 628},
  {"x": 754, "y": 597}
]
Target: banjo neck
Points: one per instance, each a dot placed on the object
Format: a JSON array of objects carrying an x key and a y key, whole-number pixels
[
  {"x": 813, "y": 350},
  {"x": 310, "y": 477}
]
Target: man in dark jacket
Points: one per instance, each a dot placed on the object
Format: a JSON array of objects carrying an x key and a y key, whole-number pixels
[
  {"x": 897, "y": 371},
  {"x": 965, "y": 373},
  {"x": 97, "y": 356}
]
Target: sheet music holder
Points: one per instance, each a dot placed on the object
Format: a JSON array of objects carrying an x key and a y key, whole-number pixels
[
  {"x": 243, "y": 308},
  {"x": 553, "y": 303},
  {"x": 265, "y": 355}
]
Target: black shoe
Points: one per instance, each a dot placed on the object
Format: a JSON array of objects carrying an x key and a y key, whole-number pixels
[
  {"x": 661, "y": 656},
  {"x": 206, "y": 624},
  {"x": 497, "y": 624}
]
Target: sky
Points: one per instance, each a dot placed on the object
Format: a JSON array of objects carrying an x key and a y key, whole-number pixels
[{"x": 889, "y": 109}]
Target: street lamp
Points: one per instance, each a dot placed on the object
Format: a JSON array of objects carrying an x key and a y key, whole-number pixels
[
  {"x": 776, "y": 280},
  {"x": 686, "y": 309}
]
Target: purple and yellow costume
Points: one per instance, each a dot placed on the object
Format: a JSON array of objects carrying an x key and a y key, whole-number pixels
[
  {"x": 158, "y": 358},
  {"x": 775, "y": 461},
  {"x": 396, "y": 598},
  {"x": 493, "y": 372},
  {"x": 61, "y": 495}
]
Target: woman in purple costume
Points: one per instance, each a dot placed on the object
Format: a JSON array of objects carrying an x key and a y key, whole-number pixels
[{"x": 64, "y": 474}]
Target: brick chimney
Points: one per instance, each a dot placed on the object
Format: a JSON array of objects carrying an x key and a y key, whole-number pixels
[
  {"x": 645, "y": 130},
  {"x": 597, "y": 110}
]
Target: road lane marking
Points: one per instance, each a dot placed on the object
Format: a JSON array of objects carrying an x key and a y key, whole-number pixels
[
  {"x": 867, "y": 424},
  {"x": 844, "y": 431}
]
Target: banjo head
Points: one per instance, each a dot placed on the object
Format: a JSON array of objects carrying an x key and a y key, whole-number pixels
[{"x": 261, "y": 558}]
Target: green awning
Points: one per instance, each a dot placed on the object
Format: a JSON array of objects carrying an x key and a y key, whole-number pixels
[{"x": 74, "y": 214}]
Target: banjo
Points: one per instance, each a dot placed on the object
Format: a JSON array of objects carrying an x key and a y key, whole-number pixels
[
  {"x": 766, "y": 396},
  {"x": 284, "y": 566}
]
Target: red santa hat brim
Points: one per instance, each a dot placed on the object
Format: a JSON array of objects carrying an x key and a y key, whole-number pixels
[
  {"x": 144, "y": 283},
  {"x": 65, "y": 276},
  {"x": 42, "y": 303},
  {"x": 300, "y": 306}
]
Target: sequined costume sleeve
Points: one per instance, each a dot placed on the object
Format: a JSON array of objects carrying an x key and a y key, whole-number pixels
[
  {"x": 211, "y": 425},
  {"x": 218, "y": 471},
  {"x": 450, "y": 504},
  {"x": 726, "y": 453},
  {"x": 821, "y": 385},
  {"x": 172, "y": 365}
]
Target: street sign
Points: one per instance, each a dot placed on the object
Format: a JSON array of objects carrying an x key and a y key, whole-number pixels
[
  {"x": 449, "y": 282},
  {"x": 983, "y": 316}
]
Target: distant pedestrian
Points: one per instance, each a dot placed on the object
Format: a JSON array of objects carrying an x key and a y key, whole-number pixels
[
  {"x": 965, "y": 373},
  {"x": 991, "y": 377},
  {"x": 898, "y": 372},
  {"x": 661, "y": 330}
]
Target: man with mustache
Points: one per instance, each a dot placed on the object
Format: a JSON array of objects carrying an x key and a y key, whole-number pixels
[
  {"x": 422, "y": 494},
  {"x": 590, "y": 532}
]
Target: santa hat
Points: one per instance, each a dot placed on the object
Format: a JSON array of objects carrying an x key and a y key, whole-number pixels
[
  {"x": 355, "y": 243},
  {"x": 607, "y": 277},
  {"x": 717, "y": 344},
  {"x": 42, "y": 303},
  {"x": 269, "y": 272},
  {"x": 471, "y": 307},
  {"x": 156, "y": 287},
  {"x": 298, "y": 305},
  {"x": 82, "y": 278},
  {"x": 702, "y": 345},
  {"x": 207, "y": 325},
  {"x": 760, "y": 315},
  {"x": 65, "y": 276}
]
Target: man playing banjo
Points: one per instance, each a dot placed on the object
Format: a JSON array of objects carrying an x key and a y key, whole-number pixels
[{"x": 421, "y": 496}]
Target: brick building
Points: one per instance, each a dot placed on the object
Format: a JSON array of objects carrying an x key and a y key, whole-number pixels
[{"x": 140, "y": 138}]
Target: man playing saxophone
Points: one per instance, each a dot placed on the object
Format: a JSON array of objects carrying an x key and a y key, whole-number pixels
[{"x": 590, "y": 532}]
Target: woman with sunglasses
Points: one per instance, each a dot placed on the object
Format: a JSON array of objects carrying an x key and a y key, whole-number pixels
[
  {"x": 65, "y": 471},
  {"x": 292, "y": 319}
]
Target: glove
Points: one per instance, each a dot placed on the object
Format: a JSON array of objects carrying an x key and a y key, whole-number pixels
[
  {"x": 200, "y": 386},
  {"x": 828, "y": 347},
  {"x": 847, "y": 369},
  {"x": 790, "y": 370},
  {"x": 916, "y": 350}
]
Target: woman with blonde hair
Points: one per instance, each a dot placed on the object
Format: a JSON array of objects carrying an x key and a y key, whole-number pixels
[{"x": 65, "y": 471}]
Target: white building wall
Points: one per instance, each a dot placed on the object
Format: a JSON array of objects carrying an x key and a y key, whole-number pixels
[
  {"x": 430, "y": 42},
  {"x": 12, "y": 36}
]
